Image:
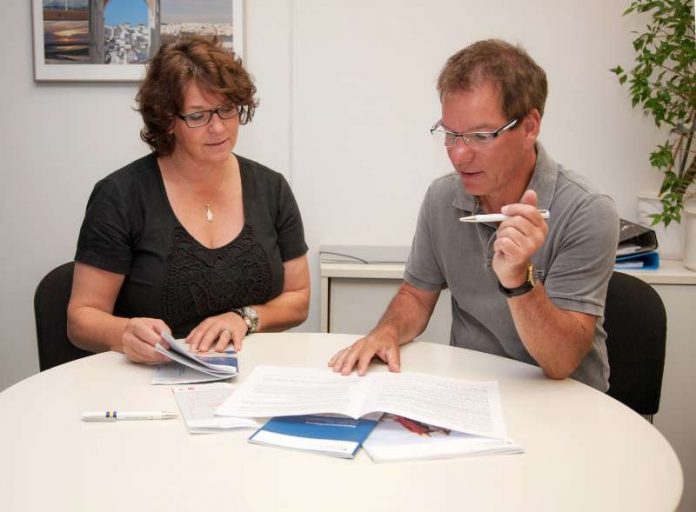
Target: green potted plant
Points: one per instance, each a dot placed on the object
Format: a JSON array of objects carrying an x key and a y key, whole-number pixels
[{"x": 663, "y": 83}]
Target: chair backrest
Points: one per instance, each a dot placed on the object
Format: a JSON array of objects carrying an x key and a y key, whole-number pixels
[
  {"x": 51, "y": 311},
  {"x": 636, "y": 325}
]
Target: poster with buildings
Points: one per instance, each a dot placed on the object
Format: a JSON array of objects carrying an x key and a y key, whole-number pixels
[{"x": 95, "y": 33}]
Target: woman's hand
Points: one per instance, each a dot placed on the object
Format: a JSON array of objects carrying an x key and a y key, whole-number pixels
[
  {"x": 139, "y": 338},
  {"x": 217, "y": 332}
]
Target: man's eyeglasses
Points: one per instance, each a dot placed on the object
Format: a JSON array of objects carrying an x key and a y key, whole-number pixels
[
  {"x": 472, "y": 139},
  {"x": 203, "y": 117}
]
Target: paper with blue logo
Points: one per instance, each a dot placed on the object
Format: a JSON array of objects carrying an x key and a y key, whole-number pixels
[{"x": 328, "y": 434}]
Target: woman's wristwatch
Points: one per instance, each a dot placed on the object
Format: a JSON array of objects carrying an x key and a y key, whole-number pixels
[{"x": 250, "y": 317}]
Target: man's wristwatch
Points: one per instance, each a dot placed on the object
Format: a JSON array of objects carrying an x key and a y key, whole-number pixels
[
  {"x": 250, "y": 317},
  {"x": 525, "y": 287}
]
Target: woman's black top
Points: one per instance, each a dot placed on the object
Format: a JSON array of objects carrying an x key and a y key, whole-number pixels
[{"x": 130, "y": 228}]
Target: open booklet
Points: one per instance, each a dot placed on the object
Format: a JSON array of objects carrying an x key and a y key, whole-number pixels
[
  {"x": 464, "y": 406},
  {"x": 398, "y": 438},
  {"x": 208, "y": 366}
]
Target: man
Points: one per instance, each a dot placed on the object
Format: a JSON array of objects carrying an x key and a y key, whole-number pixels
[{"x": 525, "y": 288}]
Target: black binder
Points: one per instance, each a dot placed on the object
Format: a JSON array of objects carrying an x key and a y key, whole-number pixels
[
  {"x": 637, "y": 246},
  {"x": 632, "y": 234}
]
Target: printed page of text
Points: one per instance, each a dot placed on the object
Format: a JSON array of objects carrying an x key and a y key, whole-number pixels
[{"x": 287, "y": 391}]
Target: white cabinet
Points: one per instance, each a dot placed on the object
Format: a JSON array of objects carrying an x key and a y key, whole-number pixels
[{"x": 356, "y": 304}]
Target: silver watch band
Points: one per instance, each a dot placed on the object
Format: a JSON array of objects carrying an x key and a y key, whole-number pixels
[{"x": 250, "y": 317}]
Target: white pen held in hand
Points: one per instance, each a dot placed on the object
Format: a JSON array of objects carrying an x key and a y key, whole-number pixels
[
  {"x": 496, "y": 217},
  {"x": 128, "y": 415}
]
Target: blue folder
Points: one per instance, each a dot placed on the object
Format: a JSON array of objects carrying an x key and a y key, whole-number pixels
[
  {"x": 647, "y": 261},
  {"x": 328, "y": 434}
]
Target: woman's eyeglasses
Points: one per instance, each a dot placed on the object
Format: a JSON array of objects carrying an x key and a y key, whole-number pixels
[{"x": 203, "y": 117}]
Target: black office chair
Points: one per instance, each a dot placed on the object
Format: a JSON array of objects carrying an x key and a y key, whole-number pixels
[
  {"x": 51, "y": 310},
  {"x": 636, "y": 326}
]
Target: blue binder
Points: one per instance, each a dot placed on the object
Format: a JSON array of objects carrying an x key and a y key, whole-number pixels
[{"x": 647, "y": 261}]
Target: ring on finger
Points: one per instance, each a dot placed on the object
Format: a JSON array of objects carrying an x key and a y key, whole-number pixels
[{"x": 227, "y": 330}]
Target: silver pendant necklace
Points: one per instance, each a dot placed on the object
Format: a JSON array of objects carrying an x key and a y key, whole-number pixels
[{"x": 209, "y": 215}]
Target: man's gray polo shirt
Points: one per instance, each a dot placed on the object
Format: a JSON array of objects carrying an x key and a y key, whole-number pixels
[{"x": 574, "y": 263}]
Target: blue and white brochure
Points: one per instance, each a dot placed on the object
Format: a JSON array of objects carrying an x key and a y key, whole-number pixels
[
  {"x": 209, "y": 365},
  {"x": 328, "y": 434}
]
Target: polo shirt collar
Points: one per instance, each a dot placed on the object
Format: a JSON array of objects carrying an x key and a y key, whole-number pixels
[
  {"x": 543, "y": 182},
  {"x": 544, "y": 179}
]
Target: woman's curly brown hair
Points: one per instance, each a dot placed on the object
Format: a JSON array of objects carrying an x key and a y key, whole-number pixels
[{"x": 189, "y": 59}]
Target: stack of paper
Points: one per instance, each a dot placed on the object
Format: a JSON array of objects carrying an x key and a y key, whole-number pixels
[
  {"x": 191, "y": 367},
  {"x": 198, "y": 404},
  {"x": 469, "y": 407},
  {"x": 465, "y": 406}
]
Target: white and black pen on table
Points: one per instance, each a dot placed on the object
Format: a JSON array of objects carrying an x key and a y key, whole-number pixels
[{"x": 128, "y": 415}]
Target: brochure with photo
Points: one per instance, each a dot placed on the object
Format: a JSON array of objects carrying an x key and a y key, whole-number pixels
[{"x": 398, "y": 438}]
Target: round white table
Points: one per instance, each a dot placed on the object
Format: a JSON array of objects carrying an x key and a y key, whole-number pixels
[{"x": 584, "y": 451}]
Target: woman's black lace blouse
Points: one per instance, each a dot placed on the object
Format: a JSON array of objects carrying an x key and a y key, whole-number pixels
[{"x": 130, "y": 228}]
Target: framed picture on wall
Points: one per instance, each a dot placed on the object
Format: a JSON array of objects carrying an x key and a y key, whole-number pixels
[{"x": 111, "y": 40}]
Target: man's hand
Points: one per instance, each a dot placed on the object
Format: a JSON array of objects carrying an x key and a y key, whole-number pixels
[
  {"x": 517, "y": 239},
  {"x": 404, "y": 319},
  {"x": 362, "y": 351}
]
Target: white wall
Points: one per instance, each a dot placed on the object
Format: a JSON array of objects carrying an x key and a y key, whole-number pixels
[{"x": 347, "y": 97}]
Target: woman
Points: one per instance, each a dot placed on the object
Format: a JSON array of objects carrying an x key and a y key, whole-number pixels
[{"x": 190, "y": 239}]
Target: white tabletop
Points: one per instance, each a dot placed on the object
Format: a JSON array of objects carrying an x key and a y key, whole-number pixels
[{"x": 583, "y": 450}]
